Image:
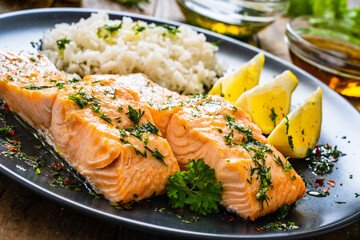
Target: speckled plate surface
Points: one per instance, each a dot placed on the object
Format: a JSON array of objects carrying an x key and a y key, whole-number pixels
[{"x": 341, "y": 127}]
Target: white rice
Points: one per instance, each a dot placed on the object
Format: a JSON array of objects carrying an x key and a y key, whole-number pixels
[{"x": 182, "y": 62}]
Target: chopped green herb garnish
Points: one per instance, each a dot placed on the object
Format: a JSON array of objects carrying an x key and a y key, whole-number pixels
[
  {"x": 137, "y": 151},
  {"x": 263, "y": 173},
  {"x": 279, "y": 224},
  {"x": 96, "y": 196},
  {"x": 139, "y": 29},
  {"x": 134, "y": 115},
  {"x": 81, "y": 98},
  {"x": 321, "y": 159},
  {"x": 171, "y": 29},
  {"x": 287, "y": 167},
  {"x": 221, "y": 91},
  {"x": 217, "y": 43},
  {"x": 258, "y": 150},
  {"x": 116, "y": 205},
  {"x": 145, "y": 128},
  {"x": 4, "y": 132},
  {"x": 74, "y": 80},
  {"x": 107, "y": 31},
  {"x": 114, "y": 28},
  {"x": 60, "y": 85},
  {"x": 234, "y": 109},
  {"x": 228, "y": 139},
  {"x": 96, "y": 108},
  {"x": 287, "y": 124},
  {"x": 293, "y": 177},
  {"x": 248, "y": 132},
  {"x": 291, "y": 143},
  {"x": 157, "y": 155},
  {"x": 32, "y": 87},
  {"x": 273, "y": 116},
  {"x": 62, "y": 42}
]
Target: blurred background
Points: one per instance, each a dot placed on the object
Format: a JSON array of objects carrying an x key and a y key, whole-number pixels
[{"x": 327, "y": 47}]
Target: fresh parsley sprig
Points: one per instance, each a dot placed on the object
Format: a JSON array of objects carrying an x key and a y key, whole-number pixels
[{"x": 195, "y": 187}]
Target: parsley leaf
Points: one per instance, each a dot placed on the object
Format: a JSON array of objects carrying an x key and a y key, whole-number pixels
[{"x": 195, "y": 187}]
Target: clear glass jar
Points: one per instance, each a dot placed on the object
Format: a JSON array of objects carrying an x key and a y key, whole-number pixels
[
  {"x": 237, "y": 18},
  {"x": 328, "y": 49}
]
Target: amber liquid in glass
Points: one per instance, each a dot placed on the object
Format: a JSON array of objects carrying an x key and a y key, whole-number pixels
[{"x": 346, "y": 86}]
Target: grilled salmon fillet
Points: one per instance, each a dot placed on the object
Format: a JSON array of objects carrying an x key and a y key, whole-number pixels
[
  {"x": 256, "y": 178},
  {"x": 112, "y": 140},
  {"x": 20, "y": 75},
  {"x": 102, "y": 129}
]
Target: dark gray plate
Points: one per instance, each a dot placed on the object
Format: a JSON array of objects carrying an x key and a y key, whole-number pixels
[{"x": 341, "y": 126}]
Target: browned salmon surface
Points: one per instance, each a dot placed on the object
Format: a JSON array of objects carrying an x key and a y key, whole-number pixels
[
  {"x": 256, "y": 178},
  {"x": 20, "y": 75},
  {"x": 102, "y": 129}
]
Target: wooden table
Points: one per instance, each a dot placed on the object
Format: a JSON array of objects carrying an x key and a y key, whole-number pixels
[{"x": 27, "y": 215}]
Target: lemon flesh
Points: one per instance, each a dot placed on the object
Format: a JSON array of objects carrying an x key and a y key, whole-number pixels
[
  {"x": 245, "y": 78},
  {"x": 267, "y": 104},
  {"x": 300, "y": 130}
]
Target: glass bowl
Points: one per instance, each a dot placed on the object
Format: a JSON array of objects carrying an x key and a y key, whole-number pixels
[
  {"x": 237, "y": 18},
  {"x": 329, "y": 49}
]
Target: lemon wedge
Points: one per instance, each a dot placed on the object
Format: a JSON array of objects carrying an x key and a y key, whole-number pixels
[
  {"x": 267, "y": 104},
  {"x": 300, "y": 130},
  {"x": 245, "y": 78}
]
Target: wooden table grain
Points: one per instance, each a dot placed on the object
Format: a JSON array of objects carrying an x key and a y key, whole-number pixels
[{"x": 26, "y": 215}]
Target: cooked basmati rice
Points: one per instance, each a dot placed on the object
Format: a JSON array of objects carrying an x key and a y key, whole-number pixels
[{"x": 177, "y": 58}]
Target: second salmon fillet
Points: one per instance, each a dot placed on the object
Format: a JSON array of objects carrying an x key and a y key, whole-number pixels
[{"x": 256, "y": 178}]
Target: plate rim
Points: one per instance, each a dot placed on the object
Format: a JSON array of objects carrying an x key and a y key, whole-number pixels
[{"x": 148, "y": 226}]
